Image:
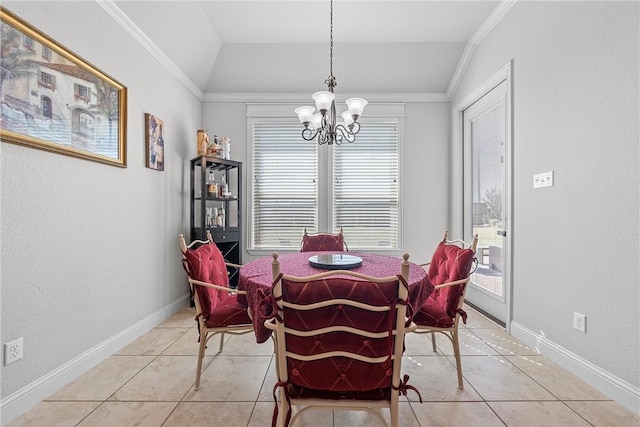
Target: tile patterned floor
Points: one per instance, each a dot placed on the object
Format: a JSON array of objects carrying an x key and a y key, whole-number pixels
[{"x": 150, "y": 383}]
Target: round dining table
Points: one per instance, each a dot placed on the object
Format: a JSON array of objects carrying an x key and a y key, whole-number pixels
[{"x": 256, "y": 279}]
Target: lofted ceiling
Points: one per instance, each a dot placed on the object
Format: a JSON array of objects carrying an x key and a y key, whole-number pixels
[{"x": 224, "y": 48}]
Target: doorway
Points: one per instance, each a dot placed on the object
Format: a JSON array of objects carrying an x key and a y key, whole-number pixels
[{"x": 485, "y": 123}]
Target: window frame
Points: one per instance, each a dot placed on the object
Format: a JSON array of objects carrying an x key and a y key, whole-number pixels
[{"x": 284, "y": 112}]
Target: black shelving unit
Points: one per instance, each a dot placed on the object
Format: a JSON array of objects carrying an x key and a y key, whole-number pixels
[{"x": 227, "y": 237}]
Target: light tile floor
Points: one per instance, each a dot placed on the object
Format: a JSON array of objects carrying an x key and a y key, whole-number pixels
[{"x": 150, "y": 383}]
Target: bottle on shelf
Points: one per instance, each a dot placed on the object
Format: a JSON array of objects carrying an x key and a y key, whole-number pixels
[
  {"x": 224, "y": 187},
  {"x": 203, "y": 142},
  {"x": 212, "y": 186},
  {"x": 214, "y": 217},
  {"x": 209, "y": 220},
  {"x": 226, "y": 148},
  {"x": 221, "y": 217}
]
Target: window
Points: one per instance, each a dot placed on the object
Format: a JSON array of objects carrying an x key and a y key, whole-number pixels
[
  {"x": 47, "y": 107},
  {"x": 29, "y": 43},
  {"x": 46, "y": 53},
  {"x": 47, "y": 80},
  {"x": 285, "y": 185},
  {"x": 297, "y": 184},
  {"x": 365, "y": 187},
  {"x": 82, "y": 93}
]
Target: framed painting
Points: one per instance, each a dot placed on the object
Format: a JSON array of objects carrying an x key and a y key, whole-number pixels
[
  {"x": 53, "y": 100},
  {"x": 153, "y": 130}
]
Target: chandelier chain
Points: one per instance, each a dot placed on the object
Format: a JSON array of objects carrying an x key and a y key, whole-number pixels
[{"x": 331, "y": 42}]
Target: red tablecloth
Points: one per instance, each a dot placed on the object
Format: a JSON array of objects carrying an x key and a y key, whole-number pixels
[{"x": 256, "y": 278}]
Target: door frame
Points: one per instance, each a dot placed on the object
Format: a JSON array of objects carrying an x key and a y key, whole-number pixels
[{"x": 458, "y": 173}]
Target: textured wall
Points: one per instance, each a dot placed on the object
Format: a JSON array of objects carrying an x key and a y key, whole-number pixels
[
  {"x": 88, "y": 249},
  {"x": 575, "y": 106}
]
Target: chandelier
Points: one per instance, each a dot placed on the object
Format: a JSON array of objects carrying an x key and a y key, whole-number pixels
[{"x": 322, "y": 123}]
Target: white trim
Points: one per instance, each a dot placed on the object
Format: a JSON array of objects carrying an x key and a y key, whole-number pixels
[
  {"x": 493, "y": 20},
  {"x": 305, "y": 98},
  {"x": 502, "y": 74},
  {"x": 456, "y": 202},
  {"x": 461, "y": 68},
  {"x": 618, "y": 389},
  {"x": 121, "y": 18},
  {"x": 30, "y": 395},
  {"x": 269, "y": 111},
  {"x": 477, "y": 37}
]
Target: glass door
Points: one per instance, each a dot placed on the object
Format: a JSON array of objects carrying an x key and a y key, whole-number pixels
[{"x": 484, "y": 136}]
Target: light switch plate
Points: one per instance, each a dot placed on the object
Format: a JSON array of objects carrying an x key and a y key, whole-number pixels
[{"x": 544, "y": 179}]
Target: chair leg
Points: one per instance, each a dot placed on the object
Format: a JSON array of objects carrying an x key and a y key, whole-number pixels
[
  {"x": 221, "y": 342},
  {"x": 203, "y": 345},
  {"x": 284, "y": 408},
  {"x": 433, "y": 341},
  {"x": 456, "y": 352},
  {"x": 393, "y": 409}
]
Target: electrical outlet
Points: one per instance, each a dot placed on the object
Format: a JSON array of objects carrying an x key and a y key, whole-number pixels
[
  {"x": 12, "y": 351},
  {"x": 580, "y": 322}
]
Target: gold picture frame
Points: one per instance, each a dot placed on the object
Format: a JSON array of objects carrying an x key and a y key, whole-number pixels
[{"x": 53, "y": 100}]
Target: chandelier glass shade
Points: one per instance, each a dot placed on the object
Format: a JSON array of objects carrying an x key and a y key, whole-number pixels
[{"x": 320, "y": 122}]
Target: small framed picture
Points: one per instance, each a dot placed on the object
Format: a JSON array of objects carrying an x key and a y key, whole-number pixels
[{"x": 154, "y": 135}]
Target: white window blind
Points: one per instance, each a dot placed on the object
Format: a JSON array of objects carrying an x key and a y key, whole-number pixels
[
  {"x": 285, "y": 189},
  {"x": 365, "y": 187},
  {"x": 298, "y": 184}
]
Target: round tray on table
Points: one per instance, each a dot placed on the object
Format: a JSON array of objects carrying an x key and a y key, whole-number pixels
[{"x": 335, "y": 261}]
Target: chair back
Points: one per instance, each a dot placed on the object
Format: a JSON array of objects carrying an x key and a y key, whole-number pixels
[
  {"x": 323, "y": 242},
  {"x": 205, "y": 263},
  {"x": 340, "y": 334},
  {"x": 449, "y": 263}
]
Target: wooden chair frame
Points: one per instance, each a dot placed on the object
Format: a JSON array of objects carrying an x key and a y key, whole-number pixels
[
  {"x": 400, "y": 329},
  {"x": 206, "y": 333},
  {"x": 305, "y": 234},
  {"x": 452, "y": 332}
]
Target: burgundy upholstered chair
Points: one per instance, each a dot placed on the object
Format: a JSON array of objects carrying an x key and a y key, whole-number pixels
[
  {"x": 339, "y": 339},
  {"x": 449, "y": 271},
  {"x": 323, "y": 242},
  {"x": 217, "y": 308}
]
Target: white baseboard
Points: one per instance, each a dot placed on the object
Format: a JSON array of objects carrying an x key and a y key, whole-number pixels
[
  {"x": 30, "y": 395},
  {"x": 617, "y": 389}
]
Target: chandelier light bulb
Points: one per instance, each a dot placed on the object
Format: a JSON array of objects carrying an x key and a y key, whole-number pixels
[
  {"x": 323, "y": 100},
  {"x": 316, "y": 121},
  {"x": 348, "y": 119},
  {"x": 356, "y": 106},
  {"x": 305, "y": 113}
]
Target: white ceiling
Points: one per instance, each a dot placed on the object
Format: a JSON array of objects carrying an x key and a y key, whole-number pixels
[{"x": 282, "y": 46}]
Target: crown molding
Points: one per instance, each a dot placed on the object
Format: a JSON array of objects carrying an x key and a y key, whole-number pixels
[
  {"x": 116, "y": 13},
  {"x": 301, "y": 98},
  {"x": 477, "y": 37},
  {"x": 496, "y": 16}
]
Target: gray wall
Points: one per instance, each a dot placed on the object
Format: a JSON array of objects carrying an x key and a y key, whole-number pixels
[
  {"x": 575, "y": 104},
  {"x": 88, "y": 250},
  {"x": 425, "y": 168}
]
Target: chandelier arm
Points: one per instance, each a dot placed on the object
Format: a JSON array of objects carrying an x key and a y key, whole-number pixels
[
  {"x": 354, "y": 127},
  {"x": 324, "y": 137},
  {"x": 308, "y": 134},
  {"x": 342, "y": 133}
]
